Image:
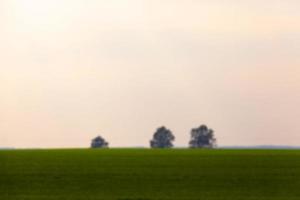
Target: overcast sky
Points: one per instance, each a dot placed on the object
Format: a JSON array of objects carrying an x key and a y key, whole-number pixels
[{"x": 74, "y": 69}]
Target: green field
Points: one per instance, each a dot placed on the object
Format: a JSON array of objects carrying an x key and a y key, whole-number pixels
[{"x": 145, "y": 174}]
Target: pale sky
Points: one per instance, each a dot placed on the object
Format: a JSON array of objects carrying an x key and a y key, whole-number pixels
[{"x": 74, "y": 69}]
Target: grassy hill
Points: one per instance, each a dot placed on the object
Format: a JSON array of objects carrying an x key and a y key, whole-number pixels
[{"x": 144, "y": 174}]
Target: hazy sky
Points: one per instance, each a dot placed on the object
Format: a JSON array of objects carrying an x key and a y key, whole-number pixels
[{"x": 74, "y": 69}]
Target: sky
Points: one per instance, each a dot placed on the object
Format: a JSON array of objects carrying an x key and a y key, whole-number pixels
[{"x": 74, "y": 69}]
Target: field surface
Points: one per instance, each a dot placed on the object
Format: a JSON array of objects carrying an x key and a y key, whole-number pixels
[{"x": 144, "y": 174}]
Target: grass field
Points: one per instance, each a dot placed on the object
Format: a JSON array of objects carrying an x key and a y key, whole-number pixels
[{"x": 144, "y": 174}]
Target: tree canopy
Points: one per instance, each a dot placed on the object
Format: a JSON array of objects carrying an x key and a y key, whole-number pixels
[
  {"x": 99, "y": 142},
  {"x": 162, "y": 138},
  {"x": 202, "y": 137}
]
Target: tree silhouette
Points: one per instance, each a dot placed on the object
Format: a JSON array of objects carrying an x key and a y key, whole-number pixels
[
  {"x": 162, "y": 138},
  {"x": 202, "y": 137},
  {"x": 99, "y": 142}
]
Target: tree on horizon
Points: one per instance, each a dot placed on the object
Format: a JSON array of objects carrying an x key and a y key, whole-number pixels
[
  {"x": 162, "y": 138},
  {"x": 99, "y": 142},
  {"x": 202, "y": 137}
]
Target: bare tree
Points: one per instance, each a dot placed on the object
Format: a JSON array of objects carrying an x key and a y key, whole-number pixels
[
  {"x": 162, "y": 138},
  {"x": 202, "y": 137},
  {"x": 99, "y": 142}
]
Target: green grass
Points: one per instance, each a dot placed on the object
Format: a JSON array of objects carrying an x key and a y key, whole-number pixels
[{"x": 144, "y": 174}]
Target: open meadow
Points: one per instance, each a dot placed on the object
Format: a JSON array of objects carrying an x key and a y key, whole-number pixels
[{"x": 144, "y": 174}]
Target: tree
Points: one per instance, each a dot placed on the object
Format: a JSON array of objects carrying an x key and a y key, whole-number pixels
[
  {"x": 99, "y": 142},
  {"x": 202, "y": 137},
  {"x": 162, "y": 138}
]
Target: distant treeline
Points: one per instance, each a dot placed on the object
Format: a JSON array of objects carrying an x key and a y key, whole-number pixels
[{"x": 201, "y": 137}]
